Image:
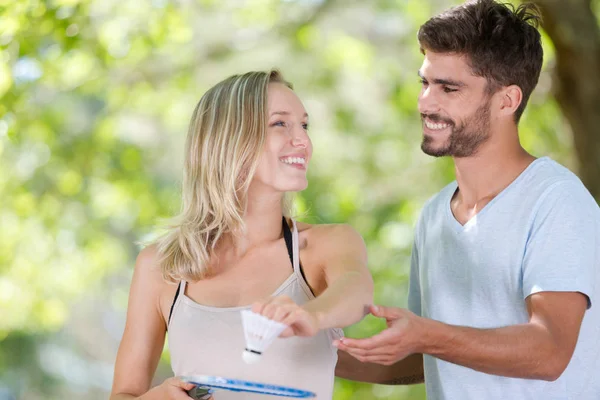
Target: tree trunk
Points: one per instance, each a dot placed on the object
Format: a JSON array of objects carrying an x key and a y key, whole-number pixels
[{"x": 573, "y": 28}]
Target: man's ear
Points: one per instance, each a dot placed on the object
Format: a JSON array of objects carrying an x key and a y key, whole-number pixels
[{"x": 510, "y": 100}]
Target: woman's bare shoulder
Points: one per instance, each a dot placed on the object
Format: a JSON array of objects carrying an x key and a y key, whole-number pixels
[
  {"x": 148, "y": 275},
  {"x": 148, "y": 261},
  {"x": 148, "y": 270},
  {"x": 321, "y": 236},
  {"x": 326, "y": 230}
]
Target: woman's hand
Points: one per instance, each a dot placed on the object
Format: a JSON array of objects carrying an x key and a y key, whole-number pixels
[
  {"x": 174, "y": 389},
  {"x": 300, "y": 322}
]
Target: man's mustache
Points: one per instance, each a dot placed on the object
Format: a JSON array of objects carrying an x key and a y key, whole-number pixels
[{"x": 435, "y": 118}]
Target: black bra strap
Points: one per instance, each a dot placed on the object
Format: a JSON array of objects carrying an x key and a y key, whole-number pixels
[
  {"x": 287, "y": 236},
  {"x": 173, "y": 305}
]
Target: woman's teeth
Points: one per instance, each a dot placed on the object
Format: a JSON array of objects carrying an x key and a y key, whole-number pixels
[{"x": 293, "y": 160}]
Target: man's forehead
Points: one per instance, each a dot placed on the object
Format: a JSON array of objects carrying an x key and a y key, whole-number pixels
[
  {"x": 446, "y": 61},
  {"x": 448, "y": 65}
]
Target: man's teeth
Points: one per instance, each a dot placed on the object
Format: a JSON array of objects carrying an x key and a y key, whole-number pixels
[
  {"x": 293, "y": 160},
  {"x": 434, "y": 126}
]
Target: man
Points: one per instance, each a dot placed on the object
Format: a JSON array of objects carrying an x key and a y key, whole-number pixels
[{"x": 505, "y": 274}]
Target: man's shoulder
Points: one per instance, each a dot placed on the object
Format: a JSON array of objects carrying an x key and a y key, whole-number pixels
[{"x": 552, "y": 181}]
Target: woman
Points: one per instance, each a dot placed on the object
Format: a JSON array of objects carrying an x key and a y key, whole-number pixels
[{"x": 233, "y": 246}]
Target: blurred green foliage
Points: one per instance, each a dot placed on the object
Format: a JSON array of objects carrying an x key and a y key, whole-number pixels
[{"x": 96, "y": 97}]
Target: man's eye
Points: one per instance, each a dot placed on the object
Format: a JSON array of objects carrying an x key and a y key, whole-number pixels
[
  {"x": 449, "y": 90},
  {"x": 305, "y": 126},
  {"x": 423, "y": 82}
]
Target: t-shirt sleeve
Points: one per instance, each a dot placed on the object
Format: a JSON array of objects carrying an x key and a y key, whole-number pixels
[
  {"x": 562, "y": 248},
  {"x": 414, "y": 285}
]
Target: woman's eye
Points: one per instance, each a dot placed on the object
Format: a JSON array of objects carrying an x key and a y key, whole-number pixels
[{"x": 279, "y": 123}]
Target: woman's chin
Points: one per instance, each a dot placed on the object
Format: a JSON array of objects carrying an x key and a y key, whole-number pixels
[{"x": 296, "y": 186}]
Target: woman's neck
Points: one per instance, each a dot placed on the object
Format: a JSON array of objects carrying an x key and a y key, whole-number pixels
[{"x": 262, "y": 223}]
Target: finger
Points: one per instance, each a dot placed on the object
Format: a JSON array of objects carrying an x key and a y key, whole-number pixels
[
  {"x": 288, "y": 332},
  {"x": 181, "y": 384},
  {"x": 294, "y": 317},
  {"x": 269, "y": 310},
  {"x": 379, "y": 359},
  {"x": 379, "y": 352},
  {"x": 340, "y": 345},
  {"x": 356, "y": 353},
  {"x": 283, "y": 312},
  {"x": 386, "y": 312},
  {"x": 383, "y": 360},
  {"x": 359, "y": 358},
  {"x": 259, "y": 306},
  {"x": 380, "y": 340}
]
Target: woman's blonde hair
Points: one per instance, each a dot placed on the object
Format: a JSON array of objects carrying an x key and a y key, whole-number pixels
[{"x": 224, "y": 143}]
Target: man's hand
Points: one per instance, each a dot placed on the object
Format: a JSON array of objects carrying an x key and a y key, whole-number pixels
[{"x": 401, "y": 338}]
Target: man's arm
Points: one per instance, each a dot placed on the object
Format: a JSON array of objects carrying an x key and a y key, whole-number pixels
[
  {"x": 407, "y": 371},
  {"x": 539, "y": 349}
]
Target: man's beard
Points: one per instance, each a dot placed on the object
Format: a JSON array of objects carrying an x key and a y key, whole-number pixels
[{"x": 464, "y": 140}]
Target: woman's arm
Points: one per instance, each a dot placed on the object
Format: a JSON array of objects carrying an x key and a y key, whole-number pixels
[
  {"x": 143, "y": 338},
  {"x": 342, "y": 256},
  {"x": 335, "y": 263}
]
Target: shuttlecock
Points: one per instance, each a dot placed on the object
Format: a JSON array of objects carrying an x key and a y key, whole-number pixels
[{"x": 259, "y": 332}]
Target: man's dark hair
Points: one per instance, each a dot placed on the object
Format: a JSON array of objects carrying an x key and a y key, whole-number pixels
[{"x": 502, "y": 44}]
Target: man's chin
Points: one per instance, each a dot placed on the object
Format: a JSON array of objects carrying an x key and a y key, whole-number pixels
[{"x": 431, "y": 149}]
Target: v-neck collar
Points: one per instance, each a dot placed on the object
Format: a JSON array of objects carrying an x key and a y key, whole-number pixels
[{"x": 473, "y": 220}]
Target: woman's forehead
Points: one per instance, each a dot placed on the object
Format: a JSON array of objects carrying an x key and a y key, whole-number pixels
[{"x": 282, "y": 100}]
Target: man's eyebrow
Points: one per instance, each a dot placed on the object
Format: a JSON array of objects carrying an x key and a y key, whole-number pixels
[{"x": 444, "y": 81}]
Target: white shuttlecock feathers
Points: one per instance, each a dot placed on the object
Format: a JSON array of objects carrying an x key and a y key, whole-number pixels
[{"x": 259, "y": 332}]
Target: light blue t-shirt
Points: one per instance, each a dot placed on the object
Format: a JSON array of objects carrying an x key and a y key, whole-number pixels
[{"x": 541, "y": 233}]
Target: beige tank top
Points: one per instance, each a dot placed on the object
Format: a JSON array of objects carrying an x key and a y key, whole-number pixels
[{"x": 207, "y": 340}]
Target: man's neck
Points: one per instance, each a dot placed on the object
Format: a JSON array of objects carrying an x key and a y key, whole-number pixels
[{"x": 491, "y": 170}]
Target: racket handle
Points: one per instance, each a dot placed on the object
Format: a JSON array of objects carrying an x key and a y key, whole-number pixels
[{"x": 199, "y": 393}]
